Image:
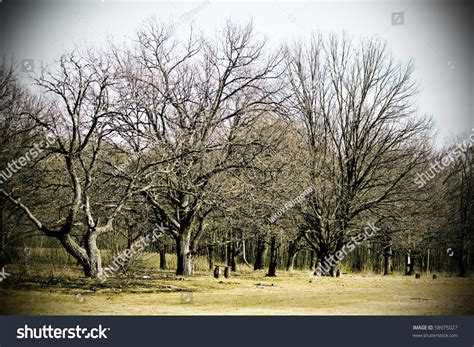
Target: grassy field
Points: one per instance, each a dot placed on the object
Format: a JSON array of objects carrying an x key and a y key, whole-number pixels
[{"x": 245, "y": 293}]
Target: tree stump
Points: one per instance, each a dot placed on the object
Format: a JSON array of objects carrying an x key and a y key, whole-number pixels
[{"x": 217, "y": 272}]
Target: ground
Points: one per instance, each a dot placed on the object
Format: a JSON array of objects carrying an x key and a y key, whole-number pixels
[{"x": 245, "y": 293}]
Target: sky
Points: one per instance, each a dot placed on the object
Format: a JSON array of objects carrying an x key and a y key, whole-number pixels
[{"x": 436, "y": 35}]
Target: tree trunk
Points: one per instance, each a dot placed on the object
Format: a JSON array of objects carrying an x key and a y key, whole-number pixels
[
  {"x": 273, "y": 258},
  {"x": 260, "y": 256},
  {"x": 387, "y": 257},
  {"x": 290, "y": 264},
  {"x": 210, "y": 256},
  {"x": 292, "y": 253},
  {"x": 428, "y": 262},
  {"x": 422, "y": 262},
  {"x": 327, "y": 265},
  {"x": 408, "y": 264},
  {"x": 231, "y": 256},
  {"x": 312, "y": 260},
  {"x": 244, "y": 254},
  {"x": 90, "y": 259},
  {"x": 184, "y": 255},
  {"x": 322, "y": 268},
  {"x": 163, "y": 265},
  {"x": 95, "y": 259}
]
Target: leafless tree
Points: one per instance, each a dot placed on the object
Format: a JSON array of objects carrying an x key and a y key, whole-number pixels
[
  {"x": 459, "y": 193},
  {"x": 76, "y": 120},
  {"x": 193, "y": 102},
  {"x": 16, "y": 131},
  {"x": 356, "y": 108}
]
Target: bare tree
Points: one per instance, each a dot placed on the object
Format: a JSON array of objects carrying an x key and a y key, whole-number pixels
[
  {"x": 193, "y": 103},
  {"x": 16, "y": 131},
  {"x": 76, "y": 120},
  {"x": 355, "y": 107},
  {"x": 459, "y": 193}
]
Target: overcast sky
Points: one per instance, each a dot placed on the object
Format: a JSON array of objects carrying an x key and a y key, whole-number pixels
[{"x": 434, "y": 34}]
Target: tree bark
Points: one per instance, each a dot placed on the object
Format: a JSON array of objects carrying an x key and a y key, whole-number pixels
[
  {"x": 210, "y": 256},
  {"x": 387, "y": 256},
  {"x": 231, "y": 256},
  {"x": 326, "y": 266},
  {"x": 260, "y": 256},
  {"x": 428, "y": 262},
  {"x": 95, "y": 259},
  {"x": 273, "y": 258},
  {"x": 322, "y": 267},
  {"x": 292, "y": 253},
  {"x": 184, "y": 255},
  {"x": 290, "y": 264},
  {"x": 244, "y": 254},
  {"x": 91, "y": 267},
  {"x": 163, "y": 265},
  {"x": 312, "y": 260}
]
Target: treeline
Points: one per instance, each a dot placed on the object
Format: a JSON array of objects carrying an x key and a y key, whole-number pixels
[{"x": 247, "y": 155}]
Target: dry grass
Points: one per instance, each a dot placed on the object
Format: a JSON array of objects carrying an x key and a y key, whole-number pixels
[{"x": 246, "y": 293}]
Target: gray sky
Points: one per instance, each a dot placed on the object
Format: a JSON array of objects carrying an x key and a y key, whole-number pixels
[{"x": 434, "y": 34}]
